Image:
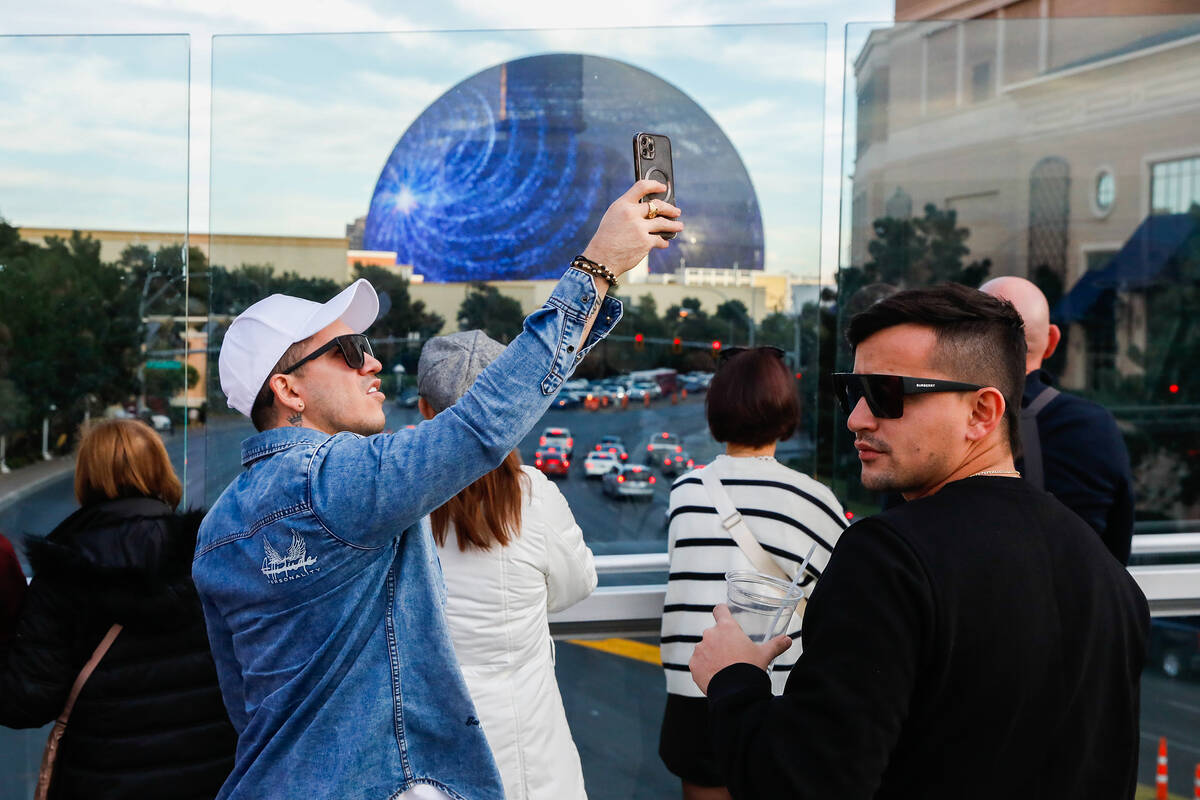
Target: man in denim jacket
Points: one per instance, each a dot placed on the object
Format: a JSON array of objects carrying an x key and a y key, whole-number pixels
[{"x": 319, "y": 579}]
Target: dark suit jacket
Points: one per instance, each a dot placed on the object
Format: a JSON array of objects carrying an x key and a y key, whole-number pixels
[{"x": 1085, "y": 463}]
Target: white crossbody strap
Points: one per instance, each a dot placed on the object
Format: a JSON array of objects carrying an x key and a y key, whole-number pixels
[{"x": 730, "y": 520}]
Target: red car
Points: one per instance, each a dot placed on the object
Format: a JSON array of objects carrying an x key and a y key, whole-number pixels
[{"x": 552, "y": 461}]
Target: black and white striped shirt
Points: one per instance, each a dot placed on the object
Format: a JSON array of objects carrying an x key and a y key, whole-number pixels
[{"x": 786, "y": 511}]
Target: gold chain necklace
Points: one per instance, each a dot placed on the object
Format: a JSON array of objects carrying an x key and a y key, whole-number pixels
[{"x": 996, "y": 472}]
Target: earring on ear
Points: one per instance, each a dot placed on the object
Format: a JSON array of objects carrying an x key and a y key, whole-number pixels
[{"x": 301, "y": 407}]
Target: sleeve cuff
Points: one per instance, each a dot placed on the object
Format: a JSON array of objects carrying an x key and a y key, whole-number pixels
[{"x": 738, "y": 678}]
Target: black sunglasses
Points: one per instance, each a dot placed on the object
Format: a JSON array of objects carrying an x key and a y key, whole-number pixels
[
  {"x": 354, "y": 346},
  {"x": 885, "y": 393},
  {"x": 727, "y": 353}
]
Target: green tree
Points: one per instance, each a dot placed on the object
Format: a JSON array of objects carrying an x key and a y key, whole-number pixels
[
  {"x": 497, "y": 315},
  {"x": 923, "y": 250},
  {"x": 737, "y": 317},
  {"x": 404, "y": 315},
  {"x": 166, "y": 383},
  {"x": 77, "y": 320},
  {"x": 778, "y": 329}
]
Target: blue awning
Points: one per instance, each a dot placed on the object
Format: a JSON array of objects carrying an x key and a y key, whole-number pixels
[{"x": 1138, "y": 265}]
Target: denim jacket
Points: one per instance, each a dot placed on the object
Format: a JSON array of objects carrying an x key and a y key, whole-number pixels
[{"x": 323, "y": 593}]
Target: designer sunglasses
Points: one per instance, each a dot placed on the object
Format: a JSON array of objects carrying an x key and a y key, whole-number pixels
[
  {"x": 355, "y": 348},
  {"x": 885, "y": 393}
]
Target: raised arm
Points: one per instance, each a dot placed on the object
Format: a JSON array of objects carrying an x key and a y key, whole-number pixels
[{"x": 380, "y": 485}]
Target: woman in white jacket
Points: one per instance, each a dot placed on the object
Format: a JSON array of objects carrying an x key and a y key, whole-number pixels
[{"x": 511, "y": 552}]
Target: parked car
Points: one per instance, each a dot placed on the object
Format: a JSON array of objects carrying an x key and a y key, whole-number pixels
[
  {"x": 629, "y": 480},
  {"x": 676, "y": 463},
  {"x": 559, "y": 438},
  {"x": 599, "y": 462},
  {"x": 162, "y": 423},
  {"x": 1174, "y": 646},
  {"x": 614, "y": 445},
  {"x": 652, "y": 389},
  {"x": 552, "y": 461},
  {"x": 693, "y": 385}
]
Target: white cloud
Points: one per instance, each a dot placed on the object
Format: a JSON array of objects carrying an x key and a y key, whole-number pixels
[{"x": 75, "y": 135}]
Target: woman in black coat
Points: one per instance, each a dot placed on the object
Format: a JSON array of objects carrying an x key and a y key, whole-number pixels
[{"x": 150, "y": 722}]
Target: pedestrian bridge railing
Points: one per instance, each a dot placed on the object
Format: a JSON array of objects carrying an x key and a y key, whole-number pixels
[{"x": 631, "y": 609}]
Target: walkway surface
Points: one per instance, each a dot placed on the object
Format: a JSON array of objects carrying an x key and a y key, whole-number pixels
[{"x": 28, "y": 479}]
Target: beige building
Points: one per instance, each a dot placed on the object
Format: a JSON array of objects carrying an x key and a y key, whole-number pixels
[
  {"x": 1053, "y": 140},
  {"x": 310, "y": 256}
]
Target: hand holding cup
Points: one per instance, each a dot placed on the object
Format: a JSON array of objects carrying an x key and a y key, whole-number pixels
[{"x": 725, "y": 643}]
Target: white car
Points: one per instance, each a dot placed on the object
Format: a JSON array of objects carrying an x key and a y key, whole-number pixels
[{"x": 599, "y": 462}]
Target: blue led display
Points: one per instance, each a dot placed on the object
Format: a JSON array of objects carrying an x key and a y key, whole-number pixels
[{"x": 507, "y": 175}]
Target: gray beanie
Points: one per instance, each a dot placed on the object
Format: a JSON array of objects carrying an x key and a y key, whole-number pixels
[{"x": 450, "y": 364}]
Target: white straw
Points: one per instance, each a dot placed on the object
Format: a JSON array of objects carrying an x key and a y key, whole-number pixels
[{"x": 794, "y": 585}]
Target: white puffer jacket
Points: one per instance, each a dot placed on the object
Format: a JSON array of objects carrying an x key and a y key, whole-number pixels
[{"x": 497, "y": 604}]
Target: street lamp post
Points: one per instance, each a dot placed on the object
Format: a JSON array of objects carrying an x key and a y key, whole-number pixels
[{"x": 46, "y": 433}]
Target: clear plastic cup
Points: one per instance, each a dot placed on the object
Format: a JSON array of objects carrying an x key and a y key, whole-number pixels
[{"x": 761, "y": 605}]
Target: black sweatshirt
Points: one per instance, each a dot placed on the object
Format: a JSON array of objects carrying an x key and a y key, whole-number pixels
[{"x": 978, "y": 643}]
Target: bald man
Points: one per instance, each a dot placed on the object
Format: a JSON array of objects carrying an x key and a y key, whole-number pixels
[{"x": 1072, "y": 447}]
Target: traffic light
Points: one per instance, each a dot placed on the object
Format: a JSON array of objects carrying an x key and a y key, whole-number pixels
[
  {"x": 716, "y": 346},
  {"x": 639, "y": 341},
  {"x": 676, "y": 345}
]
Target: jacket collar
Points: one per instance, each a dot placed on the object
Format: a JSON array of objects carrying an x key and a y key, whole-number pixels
[
  {"x": 1035, "y": 382},
  {"x": 275, "y": 440}
]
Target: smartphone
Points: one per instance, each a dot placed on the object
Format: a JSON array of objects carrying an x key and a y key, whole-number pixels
[{"x": 652, "y": 160}]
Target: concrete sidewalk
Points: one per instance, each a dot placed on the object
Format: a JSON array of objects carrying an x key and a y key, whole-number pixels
[{"x": 28, "y": 479}]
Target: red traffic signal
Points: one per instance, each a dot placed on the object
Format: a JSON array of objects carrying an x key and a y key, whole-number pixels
[
  {"x": 639, "y": 341},
  {"x": 676, "y": 345},
  {"x": 716, "y": 345},
  {"x": 637, "y": 337}
]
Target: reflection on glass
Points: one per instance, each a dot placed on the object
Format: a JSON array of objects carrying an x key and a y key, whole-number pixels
[
  {"x": 93, "y": 312},
  {"x": 1008, "y": 139},
  {"x": 93, "y": 220},
  {"x": 496, "y": 166}
]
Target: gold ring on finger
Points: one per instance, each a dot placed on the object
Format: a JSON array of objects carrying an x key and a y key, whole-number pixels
[{"x": 651, "y": 210}]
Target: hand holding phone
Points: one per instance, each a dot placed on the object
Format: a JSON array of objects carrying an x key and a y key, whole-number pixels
[{"x": 652, "y": 160}]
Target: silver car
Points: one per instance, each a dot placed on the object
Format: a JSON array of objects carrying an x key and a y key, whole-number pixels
[{"x": 629, "y": 480}]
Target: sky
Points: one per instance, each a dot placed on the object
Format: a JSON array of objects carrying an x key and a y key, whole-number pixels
[{"x": 249, "y": 133}]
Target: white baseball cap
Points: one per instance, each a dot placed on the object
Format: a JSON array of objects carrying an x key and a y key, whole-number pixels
[{"x": 261, "y": 334}]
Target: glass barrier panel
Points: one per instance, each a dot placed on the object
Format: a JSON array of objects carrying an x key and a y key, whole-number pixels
[
  {"x": 463, "y": 186},
  {"x": 460, "y": 172},
  {"x": 1055, "y": 150},
  {"x": 93, "y": 274}
]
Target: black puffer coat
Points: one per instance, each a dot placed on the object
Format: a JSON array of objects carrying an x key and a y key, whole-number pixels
[{"x": 150, "y": 723}]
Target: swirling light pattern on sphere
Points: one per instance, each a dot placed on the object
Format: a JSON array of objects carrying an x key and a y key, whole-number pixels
[{"x": 507, "y": 175}]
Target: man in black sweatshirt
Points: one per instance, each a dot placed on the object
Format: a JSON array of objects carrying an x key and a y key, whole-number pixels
[{"x": 977, "y": 641}]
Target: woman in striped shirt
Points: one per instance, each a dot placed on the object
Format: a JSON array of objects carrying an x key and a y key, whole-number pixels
[{"x": 751, "y": 405}]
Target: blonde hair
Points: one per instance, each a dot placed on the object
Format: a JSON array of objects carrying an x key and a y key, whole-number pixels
[{"x": 124, "y": 458}]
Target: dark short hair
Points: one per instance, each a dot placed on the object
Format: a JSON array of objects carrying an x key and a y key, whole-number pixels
[
  {"x": 980, "y": 339},
  {"x": 753, "y": 400},
  {"x": 261, "y": 413}
]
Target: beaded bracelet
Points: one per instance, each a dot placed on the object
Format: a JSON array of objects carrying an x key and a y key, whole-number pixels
[{"x": 581, "y": 262}]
